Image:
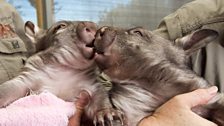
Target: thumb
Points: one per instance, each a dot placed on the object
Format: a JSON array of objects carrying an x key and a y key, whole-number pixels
[
  {"x": 83, "y": 100},
  {"x": 80, "y": 104},
  {"x": 199, "y": 96}
]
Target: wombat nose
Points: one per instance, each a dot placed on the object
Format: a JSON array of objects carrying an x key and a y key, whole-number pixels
[
  {"x": 104, "y": 38},
  {"x": 90, "y": 27},
  {"x": 86, "y": 31}
]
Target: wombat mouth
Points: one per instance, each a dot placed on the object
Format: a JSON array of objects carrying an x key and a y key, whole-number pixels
[
  {"x": 95, "y": 50},
  {"x": 98, "y": 51},
  {"x": 91, "y": 46}
]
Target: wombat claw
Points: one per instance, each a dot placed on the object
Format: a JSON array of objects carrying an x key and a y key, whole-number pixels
[{"x": 107, "y": 116}]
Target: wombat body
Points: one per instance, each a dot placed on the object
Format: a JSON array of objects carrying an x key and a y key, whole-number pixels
[
  {"x": 63, "y": 67},
  {"x": 147, "y": 70}
]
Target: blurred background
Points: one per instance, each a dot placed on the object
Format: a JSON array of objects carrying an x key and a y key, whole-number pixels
[{"x": 123, "y": 13}]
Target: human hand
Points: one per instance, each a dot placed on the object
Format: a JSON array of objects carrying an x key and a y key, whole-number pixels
[
  {"x": 82, "y": 101},
  {"x": 177, "y": 111}
]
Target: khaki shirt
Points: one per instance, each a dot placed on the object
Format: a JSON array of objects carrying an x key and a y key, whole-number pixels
[
  {"x": 209, "y": 61},
  {"x": 14, "y": 46}
]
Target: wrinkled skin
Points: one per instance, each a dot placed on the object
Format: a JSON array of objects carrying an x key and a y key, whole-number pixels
[
  {"x": 147, "y": 70},
  {"x": 63, "y": 66}
]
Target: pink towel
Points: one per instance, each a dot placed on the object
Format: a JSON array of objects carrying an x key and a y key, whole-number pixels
[{"x": 44, "y": 109}]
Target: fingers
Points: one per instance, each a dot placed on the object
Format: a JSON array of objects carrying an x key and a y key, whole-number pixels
[
  {"x": 83, "y": 100},
  {"x": 177, "y": 111},
  {"x": 198, "y": 97},
  {"x": 80, "y": 104}
]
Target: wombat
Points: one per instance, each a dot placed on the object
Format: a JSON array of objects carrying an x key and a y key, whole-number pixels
[
  {"x": 63, "y": 66},
  {"x": 147, "y": 70}
]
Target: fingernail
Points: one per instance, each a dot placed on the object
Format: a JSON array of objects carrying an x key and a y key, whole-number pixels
[
  {"x": 83, "y": 94},
  {"x": 83, "y": 100},
  {"x": 212, "y": 90}
]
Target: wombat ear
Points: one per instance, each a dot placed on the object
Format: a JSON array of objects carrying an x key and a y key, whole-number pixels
[
  {"x": 31, "y": 30},
  {"x": 196, "y": 40}
]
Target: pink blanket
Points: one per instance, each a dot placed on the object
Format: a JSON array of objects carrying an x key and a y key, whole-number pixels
[{"x": 44, "y": 109}]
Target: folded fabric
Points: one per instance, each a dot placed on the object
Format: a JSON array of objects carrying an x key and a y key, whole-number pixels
[{"x": 44, "y": 109}]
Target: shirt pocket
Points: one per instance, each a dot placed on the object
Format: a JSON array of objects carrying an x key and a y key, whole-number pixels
[{"x": 12, "y": 58}]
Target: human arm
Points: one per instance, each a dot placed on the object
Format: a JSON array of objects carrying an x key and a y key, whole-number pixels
[
  {"x": 207, "y": 62},
  {"x": 177, "y": 111},
  {"x": 189, "y": 17}
]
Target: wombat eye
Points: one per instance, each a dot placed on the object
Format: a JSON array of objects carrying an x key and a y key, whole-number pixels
[
  {"x": 136, "y": 31},
  {"x": 59, "y": 27}
]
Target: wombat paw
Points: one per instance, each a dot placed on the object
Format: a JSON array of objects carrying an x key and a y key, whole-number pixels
[{"x": 109, "y": 117}]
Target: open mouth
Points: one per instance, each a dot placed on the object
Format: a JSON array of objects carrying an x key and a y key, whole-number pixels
[
  {"x": 94, "y": 49},
  {"x": 98, "y": 51},
  {"x": 91, "y": 44},
  {"x": 90, "y": 50},
  {"x": 101, "y": 43}
]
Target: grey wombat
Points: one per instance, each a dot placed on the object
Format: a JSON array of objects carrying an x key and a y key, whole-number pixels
[
  {"x": 147, "y": 70},
  {"x": 63, "y": 66}
]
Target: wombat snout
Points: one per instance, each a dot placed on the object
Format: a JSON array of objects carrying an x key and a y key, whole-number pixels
[
  {"x": 104, "y": 38},
  {"x": 86, "y": 32}
]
